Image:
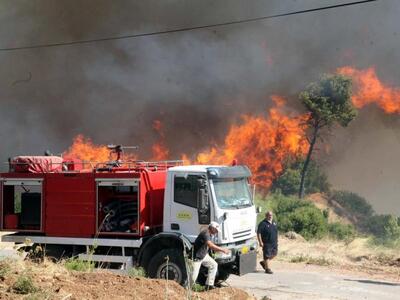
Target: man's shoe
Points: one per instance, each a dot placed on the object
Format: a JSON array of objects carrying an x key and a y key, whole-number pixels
[
  {"x": 210, "y": 287},
  {"x": 269, "y": 271},
  {"x": 262, "y": 263}
]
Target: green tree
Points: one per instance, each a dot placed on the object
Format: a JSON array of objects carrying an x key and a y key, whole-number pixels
[
  {"x": 328, "y": 102},
  {"x": 384, "y": 227},
  {"x": 288, "y": 182}
]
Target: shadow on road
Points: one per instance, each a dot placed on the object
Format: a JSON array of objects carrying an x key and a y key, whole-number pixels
[{"x": 373, "y": 282}]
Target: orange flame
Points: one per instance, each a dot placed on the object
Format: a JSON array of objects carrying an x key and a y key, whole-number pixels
[
  {"x": 83, "y": 148},
  {"x": 159, "y": 149},
  {"x": 262, "y": 144},
  {"x": 368, "y": 88},
  {"x": 160, "y": 152}
]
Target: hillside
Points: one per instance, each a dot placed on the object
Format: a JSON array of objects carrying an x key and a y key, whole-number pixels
[{"x": 337, "y": 213}]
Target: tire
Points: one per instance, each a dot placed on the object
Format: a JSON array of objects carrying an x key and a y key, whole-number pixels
[
  {"x": 221, "y": 276},
  {"x": 176, "y": 266}
]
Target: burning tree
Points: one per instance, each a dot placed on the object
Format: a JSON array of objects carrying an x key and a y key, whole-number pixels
[{"x": 328, "y": 102}]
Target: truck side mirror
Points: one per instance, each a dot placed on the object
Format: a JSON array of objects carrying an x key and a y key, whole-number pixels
[
  {"x": 258, "y": 209},
  {"x": 203, "y": 202}
]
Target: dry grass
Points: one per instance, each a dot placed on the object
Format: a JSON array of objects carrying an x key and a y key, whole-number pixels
[
  {"x": 359, "y": 254},
  {"x": 319, "y": 261}
]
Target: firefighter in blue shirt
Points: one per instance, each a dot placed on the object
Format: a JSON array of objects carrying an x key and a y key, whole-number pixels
[{"x": 267, "y": 235}]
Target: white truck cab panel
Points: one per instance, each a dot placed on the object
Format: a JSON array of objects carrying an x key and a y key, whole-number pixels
[{"x": 227, "y": 199}]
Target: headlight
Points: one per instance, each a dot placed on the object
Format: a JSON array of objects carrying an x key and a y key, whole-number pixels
[
  {"x": 222, "y": 255},
  {"x": 254, "y": 243}
]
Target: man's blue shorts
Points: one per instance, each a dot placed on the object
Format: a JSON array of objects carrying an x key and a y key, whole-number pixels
[{"x": 270, "y": 251}]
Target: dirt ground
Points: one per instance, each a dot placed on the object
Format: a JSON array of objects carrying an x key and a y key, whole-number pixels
[{"x": 53, "y": 281}]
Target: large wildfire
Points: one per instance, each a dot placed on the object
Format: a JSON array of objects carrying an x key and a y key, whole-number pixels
[
  {"x": 262, "y": 142},
  {"x": 368, "y": 89}
]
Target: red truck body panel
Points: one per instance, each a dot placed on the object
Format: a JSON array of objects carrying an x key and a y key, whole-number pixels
[{"x": 72, "y": 203}]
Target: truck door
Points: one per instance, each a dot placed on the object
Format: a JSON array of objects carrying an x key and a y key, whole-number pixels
[{"x": 189, "y": 206}]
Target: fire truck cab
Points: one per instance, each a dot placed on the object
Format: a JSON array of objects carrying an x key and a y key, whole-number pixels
[{"x": 146, "y": 214}]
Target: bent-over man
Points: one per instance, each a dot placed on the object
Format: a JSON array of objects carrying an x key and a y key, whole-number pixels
[
  {"x": 201, "y": 245},
  {"x": 267, "y": 235}
]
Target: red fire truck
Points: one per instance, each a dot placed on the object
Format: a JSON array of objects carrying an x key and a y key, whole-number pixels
[{"x": 132, "y": 213}]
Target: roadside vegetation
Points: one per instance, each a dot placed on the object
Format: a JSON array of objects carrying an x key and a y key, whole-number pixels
[
  {"x": 136, "y": 272},
  {"x": 320, "y": 261},
  {"x": 354, "y": 216},
  {"x": 304, "y": 218},
  {"x": 76, "y": 264}
]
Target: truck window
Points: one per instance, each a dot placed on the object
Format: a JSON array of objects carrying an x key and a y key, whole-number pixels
[{"x": 186, "y": 190}]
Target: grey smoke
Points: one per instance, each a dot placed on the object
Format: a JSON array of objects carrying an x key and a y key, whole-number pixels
[{"x": 197, "y": 83}]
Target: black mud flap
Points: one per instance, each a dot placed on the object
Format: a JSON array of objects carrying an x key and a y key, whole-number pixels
[{"x": 247, "y": 262}]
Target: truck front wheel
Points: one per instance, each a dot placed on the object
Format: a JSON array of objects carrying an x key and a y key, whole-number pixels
[
  {"x": 222, "y": 276},
  {"x": 168, "y": 264}
]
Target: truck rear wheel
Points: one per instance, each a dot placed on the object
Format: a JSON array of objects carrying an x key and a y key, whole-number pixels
[{"x": 168, "y": 264}]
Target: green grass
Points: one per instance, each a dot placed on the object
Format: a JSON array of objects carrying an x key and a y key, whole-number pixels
[
  {"x": 137, "y": 272},
  {"x": 24, "y": 285},
  {"x": 198, "y": 288},
  {"x": 76, "y": 264}
]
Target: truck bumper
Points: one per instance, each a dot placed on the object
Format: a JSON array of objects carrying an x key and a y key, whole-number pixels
[
  {"x": 240, "y": 264},
  {"x": 247, "y": 263}
]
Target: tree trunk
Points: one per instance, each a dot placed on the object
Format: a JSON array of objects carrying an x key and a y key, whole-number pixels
[{"x": 307, "y": 161}]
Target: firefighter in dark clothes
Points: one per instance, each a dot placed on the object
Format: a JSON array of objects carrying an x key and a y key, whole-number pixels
[{"x": 267, "y": 235}]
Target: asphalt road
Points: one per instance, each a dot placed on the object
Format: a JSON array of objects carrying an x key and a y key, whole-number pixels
[{"x": 318, "y": 283}]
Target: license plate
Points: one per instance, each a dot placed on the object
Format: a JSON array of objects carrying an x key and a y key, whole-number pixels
[{"x": 245, "y": 249}]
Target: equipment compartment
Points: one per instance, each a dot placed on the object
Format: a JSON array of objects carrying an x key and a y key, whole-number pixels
[
  {"x": 22, "y": 204},
  {"x": 118, "y": 206}
]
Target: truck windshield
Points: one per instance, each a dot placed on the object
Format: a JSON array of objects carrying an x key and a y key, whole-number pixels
[{"x": 232, "y": 192}]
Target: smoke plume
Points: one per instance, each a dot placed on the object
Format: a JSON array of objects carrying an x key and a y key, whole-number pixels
[{"x": 196, "y": 83}]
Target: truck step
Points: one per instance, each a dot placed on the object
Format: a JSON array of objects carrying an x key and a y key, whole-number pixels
[{"x": 126, "y": 261}]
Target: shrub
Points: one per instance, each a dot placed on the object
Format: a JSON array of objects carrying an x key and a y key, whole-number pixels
[
  {"x": 385, "y": 228},
  {"x": 309, "y": 222},
  {"x": 303, "y": 217},
  {"x": 281, "y": 205},
  {"x": 24, "y": 285},
  {"x": 293, "y": 214},
  {"x": 289, "y": 181},
  {"x": 341, "y": 231},
  {"x": 198, "y": 288},
  {"x": 137, "y": 272},
  {"x": 4, "y": 269},
  {"x": 76, "y": 264},
  {"x": 355, "y": 204}
]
